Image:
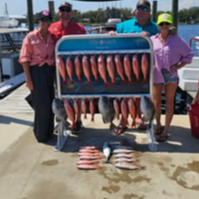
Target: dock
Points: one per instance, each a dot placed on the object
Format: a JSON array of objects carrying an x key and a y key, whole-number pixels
[{"x": 34, "y": 170}]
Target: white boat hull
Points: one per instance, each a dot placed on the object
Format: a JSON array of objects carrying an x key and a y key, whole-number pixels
[
  {"x": 189, "y": 76},
  {"x": 10, "y": 23}
]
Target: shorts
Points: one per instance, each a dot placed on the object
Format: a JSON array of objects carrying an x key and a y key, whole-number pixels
[{"x": 168, "y": 77}]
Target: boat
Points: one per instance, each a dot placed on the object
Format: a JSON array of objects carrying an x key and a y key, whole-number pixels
[
  {"x": 8, "y": 21},
  {"x": 189, "y": 74},
  {"x": 106, "y": 27},
  {"x": 11, "y": 72}
]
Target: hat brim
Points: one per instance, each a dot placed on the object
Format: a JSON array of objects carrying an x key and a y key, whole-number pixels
[{"x": 168, "y": 21}]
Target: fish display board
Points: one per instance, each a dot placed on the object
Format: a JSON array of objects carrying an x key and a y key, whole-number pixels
[{"x": 109, "y": 65}]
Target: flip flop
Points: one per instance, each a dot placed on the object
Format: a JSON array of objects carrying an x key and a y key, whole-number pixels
[
  {"x": 159, "y": 131},
  {"x": 162, "y": 138},
  {"x": 142, "y": 126},
  {"x": 119, "y": 129}
]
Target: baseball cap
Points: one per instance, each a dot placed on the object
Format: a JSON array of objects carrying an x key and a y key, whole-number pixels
[
  {"x": 44, "y": 14},
  {"x": 144, "y": 3},
  {"x": 65, "y": 4},
  {"x": 164, "y": 17}
]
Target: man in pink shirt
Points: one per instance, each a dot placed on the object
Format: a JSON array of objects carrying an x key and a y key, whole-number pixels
[{"x": 37, "y": 59}]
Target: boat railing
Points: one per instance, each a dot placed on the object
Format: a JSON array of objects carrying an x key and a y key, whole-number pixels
[
  {"x": 196, "y": 47},
  {"x": 12, "y": 40}
]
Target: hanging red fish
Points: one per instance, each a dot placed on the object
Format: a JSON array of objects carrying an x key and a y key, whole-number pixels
[{"x": 61, "y": 68}]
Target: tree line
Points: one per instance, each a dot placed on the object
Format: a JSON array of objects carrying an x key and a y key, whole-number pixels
[{"x": 100, "y": 16}]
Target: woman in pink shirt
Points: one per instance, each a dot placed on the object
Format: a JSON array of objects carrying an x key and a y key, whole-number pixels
[
  {"x": 37, "y": 59},
  {"x": 170, "y": 54}
]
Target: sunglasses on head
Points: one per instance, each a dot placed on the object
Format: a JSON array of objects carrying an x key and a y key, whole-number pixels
[
  {"x": 46, "y": 20},
  {"x": 65, "y": 9},
  {"x": 142, "y": 8},
  {"x": 164, "y": 23}
]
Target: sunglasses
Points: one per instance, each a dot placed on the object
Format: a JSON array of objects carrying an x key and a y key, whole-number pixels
[
  {"x": 46, "y": 20},
  {"x": 65, "y": 9},
  {"x": 142, "y": 8},
  {"x": 164, "y": 23}
]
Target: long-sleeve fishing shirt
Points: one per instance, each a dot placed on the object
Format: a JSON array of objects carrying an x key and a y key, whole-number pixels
[
  {"x": 36, "y": 50},
  {"x": 73, "y": 28},
  {"x": 172, "y": 52}
]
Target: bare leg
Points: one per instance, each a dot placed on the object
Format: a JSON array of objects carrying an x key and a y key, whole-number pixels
[
  {"x": 170, "y": 90},
  {"x": 157, "y": 90}
]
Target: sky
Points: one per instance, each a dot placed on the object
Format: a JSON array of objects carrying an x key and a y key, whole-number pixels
[{"x": 20, "y": 6}]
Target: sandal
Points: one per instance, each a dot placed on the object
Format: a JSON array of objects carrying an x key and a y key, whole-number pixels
[
  {"x": 142, "y": 126},
  {"x": 162, "y": 138},
  {"x": 158, "y": 131},
  {"x": 119, "y": 129}
]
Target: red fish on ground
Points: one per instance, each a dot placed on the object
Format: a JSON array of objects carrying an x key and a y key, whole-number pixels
[
  {"x": 136, "y": 67},
  {"x": 86, "y": 68},
  {"x": 78, "y": 68},
  {"x": 70, "y": 69},
  {"x": 87, "y": 162},
  {"x": 116, "y": 108},
  {"x": 88, "y": 150},
  {"x": 89, "y": 157},
  {"x": 88, "y": 147},
  {"x": 124, "y": 111},
  {"x": 92, "y": 109},
  {"x": 132, "y": 110},
  {"x": 128, "y": 68},
  {"x": 61, "y": 68},
  {"x": 88, "y": 154},
  {"x": 102, "y": 69},
  {"x": 120, "y": 68},
  {"x": 88, "y": 167},
  {"x": 94, "y": 67},
  {"x": 70, "y": 112},
  {"x": 111, "y": 69},
  {"x": 145, "y": 67}
]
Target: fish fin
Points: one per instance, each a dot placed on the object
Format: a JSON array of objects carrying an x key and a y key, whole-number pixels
[{"x": 112, "y": 126}]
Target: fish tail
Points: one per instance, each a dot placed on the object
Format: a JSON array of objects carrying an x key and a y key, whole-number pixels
[
  {"x": 79, "y": 80},
  {"x": 85, "y": 117},
  {"x": 133, "y": 124},
  {"x": 130, "y": 82},
  {"x": 65, "y": 82},
  {"x": 92, "y": 119},
  {"x": 89, "y": 83}
]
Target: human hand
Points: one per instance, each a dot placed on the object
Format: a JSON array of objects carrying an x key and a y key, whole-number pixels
[
  {"x": 174, "y": 67},
  {"x": 112, "y": 32},
  {"x": 146, "y": 34},
  {"x": 29, "y": 84}
]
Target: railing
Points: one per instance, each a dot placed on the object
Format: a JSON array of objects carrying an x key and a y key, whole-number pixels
[{"x": 196, "y": 39}]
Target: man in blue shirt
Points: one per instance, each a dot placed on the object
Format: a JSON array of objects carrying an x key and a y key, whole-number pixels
[{"x": 141, "y": 23}]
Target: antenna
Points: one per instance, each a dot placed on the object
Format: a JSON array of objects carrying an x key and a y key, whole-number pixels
[{"x": 6, "y": 10}]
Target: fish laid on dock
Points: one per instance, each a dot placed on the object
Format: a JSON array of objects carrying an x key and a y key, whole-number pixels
[
  {"x": 129, "y": 166},
  {"x": 88, "y": 167},
  {"x": 124, "y": 151},
  {"x": 87, "y": 162}
]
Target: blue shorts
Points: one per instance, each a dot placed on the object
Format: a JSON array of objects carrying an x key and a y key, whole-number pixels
[{"x": 168, "y": 77}]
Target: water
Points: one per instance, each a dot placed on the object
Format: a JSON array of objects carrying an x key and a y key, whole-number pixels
[{"x": 187, "y": 32}]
